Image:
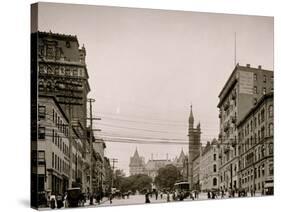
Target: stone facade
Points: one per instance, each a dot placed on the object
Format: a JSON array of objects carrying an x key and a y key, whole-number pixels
[{"x": 209, "y": 167}]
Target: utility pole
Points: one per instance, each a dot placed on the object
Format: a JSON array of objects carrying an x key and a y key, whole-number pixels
[
  {"x": 70, "y": 147},
  {"x": 113, "y": 160},
  {"x": 91, "y": 145}
]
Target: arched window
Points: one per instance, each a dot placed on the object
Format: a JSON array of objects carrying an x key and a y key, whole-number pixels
[
  {"x": 270, "y": 129},
  {"x": 215, "y": 182},
  {"x": 215, "y": 168},
  {"x": 270, "y": 111}
]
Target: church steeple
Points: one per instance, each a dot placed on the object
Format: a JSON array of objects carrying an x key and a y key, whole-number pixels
[{"x": 191, "y": 118}]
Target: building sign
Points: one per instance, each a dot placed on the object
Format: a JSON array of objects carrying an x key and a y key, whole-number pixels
[{"x": 246, "y": 82}]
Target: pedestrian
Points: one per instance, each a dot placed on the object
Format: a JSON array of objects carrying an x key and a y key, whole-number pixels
[
  {"x": 168, "y": 197},
  {"x": 222, "y": 193},
  {"x": 209, "y": 195},
  {"x": 161, "y": 195},
  {"x": 147, "y": 197},
  {"x": 59, "y": 200},
  {"x": 110, "y": 198},
  {"x": 156, "y": 195},
  {"x": 53, "y": 201},
  {"x": 191, "y": 196}
]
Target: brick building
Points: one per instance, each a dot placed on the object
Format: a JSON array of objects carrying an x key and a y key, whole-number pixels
[
  {"x": 243, "y": 89},
  {"x": 255, "y": 147}
]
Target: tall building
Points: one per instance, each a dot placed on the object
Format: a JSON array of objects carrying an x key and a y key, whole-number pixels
[
  {"x": 194, "y": 135},
  {"x": 245, "y": 86},
  {"x": 255, "y": 147},
  {"x": 60, "y": 86},
  {"x": 137, "y": 164}
]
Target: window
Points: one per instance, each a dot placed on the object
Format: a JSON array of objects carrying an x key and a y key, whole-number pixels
[
  {"x": 49, "y": 85},
  {"x": 270, "y": 149},
  {"x": 270, "y": 129},
  {"x": 262, "y": 132},
  {"x": 42, "y": 112},
  {"x": 41, "y": 132},
  {"x": 53, "y": 160},
  {"x": 264, "y": 91},
  {"x": 262, "y": 115},
  {"x": 67, "y": 44},
  {"x": 262, "y": 151},
  {"x": 255, "y": 90},
  {"x": 41, "y": 86},
  {"x": 270, "y": 111},
  {"x": 262, "y": 169},
  {"x": 270, "y": 169},
  {"x": 75, "y": 72},
  {"x": 41, "y": 155},
  {"x": 215, "y": 168},
  {"x": 255, "y": 77},
  {"x": 67, "y": 72},
  {"x": 215, "y": 157},
  {"x": 214, "y": 181},
  {"x": 264, "y": 78}
]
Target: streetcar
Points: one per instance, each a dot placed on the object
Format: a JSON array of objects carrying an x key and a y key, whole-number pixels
[{"x": 182, "y": 190}]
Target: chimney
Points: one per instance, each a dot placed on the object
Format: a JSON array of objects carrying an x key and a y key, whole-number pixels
[
  {"x": 248, "y": 65},
  {"x": 167, "y": 156},
  {"x": 259, "y": 66}
]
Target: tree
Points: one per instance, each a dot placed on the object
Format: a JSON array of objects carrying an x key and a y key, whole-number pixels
[
  {"x": 133, "y": 183},
  {"x": 167, "y": 177},
  {"x": 119, "y": 176}
]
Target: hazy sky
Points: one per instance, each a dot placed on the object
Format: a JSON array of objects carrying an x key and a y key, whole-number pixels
[{"x": 147, "y": 66}]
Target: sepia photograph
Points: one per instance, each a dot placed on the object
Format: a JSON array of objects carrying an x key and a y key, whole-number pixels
[{"x": 138, "y": 106}]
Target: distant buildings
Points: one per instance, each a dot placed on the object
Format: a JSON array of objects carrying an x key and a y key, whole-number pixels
[
  {"x": 138, "y": 166},
  {"x": 245, "y": 87}
]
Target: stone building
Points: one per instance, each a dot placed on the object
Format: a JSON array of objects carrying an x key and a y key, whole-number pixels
[
  {"x": 137, "y": 164},
  {"x": 153, "y": 165},
  {"x": 209, "y": 166},
  {"x": 61, "y": 82},
  {"x": 255, "y": 147},
  {"x": 245, "y": 86}
]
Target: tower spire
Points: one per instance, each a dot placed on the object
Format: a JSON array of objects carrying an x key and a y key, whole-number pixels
[{"x": 191, "y": 118}]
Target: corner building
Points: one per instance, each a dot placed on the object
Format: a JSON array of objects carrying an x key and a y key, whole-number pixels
[{"x": 243, "y": 89}]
